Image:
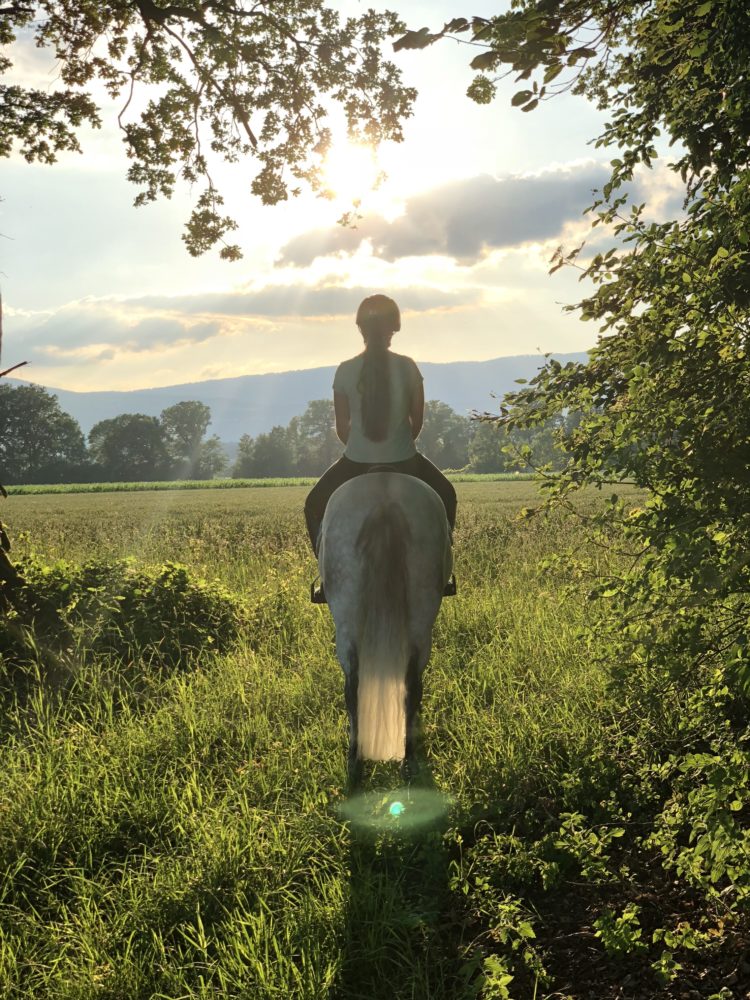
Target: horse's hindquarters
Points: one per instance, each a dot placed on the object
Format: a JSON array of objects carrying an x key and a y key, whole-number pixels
[{"x": 384, "y": 557}]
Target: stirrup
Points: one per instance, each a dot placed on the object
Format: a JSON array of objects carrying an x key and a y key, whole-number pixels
[
  {"x": 450, "y": 587},
  {"x": 317, "y": 594}
]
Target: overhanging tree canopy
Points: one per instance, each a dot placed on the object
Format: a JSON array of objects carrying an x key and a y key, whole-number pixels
[
  {"x": 228, "y": 79},
  {"x": 665, "y": 399}
]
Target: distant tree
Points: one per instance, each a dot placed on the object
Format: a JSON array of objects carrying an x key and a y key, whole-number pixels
[
  {"x": 296, "y": 445},
  {"x": 273, "y": 454},
  {"x": 444, "y": 438},
  {"x": 39, "y": 442},
  {"x": 317, "y": 442},
  {"x": 245, "y": 81},
  {"x": 494, "y": 448},
  {"x": 183, "y": 426},
  {"x": 486, "y": 448},
  {"x": 211, "y": 460},
  {"x": 545, "y": 443},
  {"x": 129, "y": 447},
  {"x": 242, "y": 468},
  {"x": 267, "y": 455}
]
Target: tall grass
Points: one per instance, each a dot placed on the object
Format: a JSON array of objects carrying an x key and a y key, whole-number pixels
[{"x": 180, "y": 836}]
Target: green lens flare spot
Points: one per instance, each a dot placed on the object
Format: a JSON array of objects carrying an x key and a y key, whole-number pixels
[{"x": 404, "y": 809}]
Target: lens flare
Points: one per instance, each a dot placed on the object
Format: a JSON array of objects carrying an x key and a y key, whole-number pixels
[{"x": 408, "y": 808}]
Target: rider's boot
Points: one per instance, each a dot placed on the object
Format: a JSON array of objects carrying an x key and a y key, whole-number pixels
[
  {"x": 450, "y": 588},
  {"x": 317, "y": 594}
]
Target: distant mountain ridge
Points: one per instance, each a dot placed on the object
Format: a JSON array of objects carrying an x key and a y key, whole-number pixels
[{"x": 253, "y": 404}]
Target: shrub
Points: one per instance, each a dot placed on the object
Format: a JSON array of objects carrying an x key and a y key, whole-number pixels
[{"x": 165, "y": 616}]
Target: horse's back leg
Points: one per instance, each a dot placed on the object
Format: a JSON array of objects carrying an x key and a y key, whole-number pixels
[
  {"x": 351, "y": 685},
  {"x": 413, "y": 701}
]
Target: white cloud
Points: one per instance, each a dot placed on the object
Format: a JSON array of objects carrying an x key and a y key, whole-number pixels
[
  {"x": 465, "y": 219},
  {"x": 96, "y": 331},
  {"x": 303, "y": 301},
  {"x": 91, "y": 332}
]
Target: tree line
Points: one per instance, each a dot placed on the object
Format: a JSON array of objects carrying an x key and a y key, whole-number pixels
[
  {"x": 308, "y": 444},
  {"x": 41, "y": 443}
]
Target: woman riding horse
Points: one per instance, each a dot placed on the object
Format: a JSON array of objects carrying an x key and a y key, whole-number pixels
[{"x": 378, "y": 400}]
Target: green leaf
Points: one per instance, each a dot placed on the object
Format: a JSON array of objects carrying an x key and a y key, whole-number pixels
[
  {"x": 485, "y": 60},
  {"x": 414, "y": 40},
  {"x": 521, "y": 97},
  {"x": 456, "y": 25},
  {"x": 481, "y": 28}
]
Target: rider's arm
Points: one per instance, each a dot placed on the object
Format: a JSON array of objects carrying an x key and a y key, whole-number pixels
[
  {"x": 416, "y": 413},
  {"x": 343, "y": 415}
]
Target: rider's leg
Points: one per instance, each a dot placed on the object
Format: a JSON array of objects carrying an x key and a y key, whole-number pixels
[
  {"x": 320, "y": 494},
  {"x": 423, "y": 469}
]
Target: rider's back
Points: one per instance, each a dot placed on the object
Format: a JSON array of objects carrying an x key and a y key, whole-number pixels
[{"x": 398, "y": 444}]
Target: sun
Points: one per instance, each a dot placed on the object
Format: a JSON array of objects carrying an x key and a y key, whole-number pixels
[
  {"x": 350, "y": 172},
  {"x": 354, "y": 179}
]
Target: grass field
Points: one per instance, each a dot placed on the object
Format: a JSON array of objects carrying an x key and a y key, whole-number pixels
[{"x": 179, "y": 834}]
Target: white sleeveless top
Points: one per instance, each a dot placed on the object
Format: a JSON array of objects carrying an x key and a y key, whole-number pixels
[{"x": 398, "y": 444}]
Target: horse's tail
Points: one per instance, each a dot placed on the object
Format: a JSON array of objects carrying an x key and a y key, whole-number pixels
[{"x": 384, "y": 641}]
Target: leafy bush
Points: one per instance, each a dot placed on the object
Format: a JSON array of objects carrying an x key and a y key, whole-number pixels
[{"x": 164, "y": 616}]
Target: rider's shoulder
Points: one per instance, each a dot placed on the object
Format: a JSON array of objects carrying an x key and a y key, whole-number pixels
[
  {"x": 346, "y": 369},
  {"x": 351, "y": 362},
  {"x": 404, "y": 359},
  {"x": 407, "y": 363}
]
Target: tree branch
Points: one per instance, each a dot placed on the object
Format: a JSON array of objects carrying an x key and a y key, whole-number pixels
[
  {"x": 20, "y": 363},
  {"x": 211, "y": 84}
]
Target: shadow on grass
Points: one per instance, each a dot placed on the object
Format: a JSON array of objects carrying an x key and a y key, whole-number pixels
[{"x": 400, "y": 939}]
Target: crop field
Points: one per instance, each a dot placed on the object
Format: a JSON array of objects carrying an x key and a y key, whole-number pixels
[
  {"x": 173, "y": 821},
  {"x": 231, "y": 484}
]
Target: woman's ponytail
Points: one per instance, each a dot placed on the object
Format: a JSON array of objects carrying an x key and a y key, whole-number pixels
[{"x": 378, "y": 318}]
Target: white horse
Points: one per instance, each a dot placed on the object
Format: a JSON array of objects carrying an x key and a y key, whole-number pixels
[{"x": 385, "y": 558}]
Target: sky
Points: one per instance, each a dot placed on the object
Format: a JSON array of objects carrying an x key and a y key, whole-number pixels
[{"x": 100, "y": 295}]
